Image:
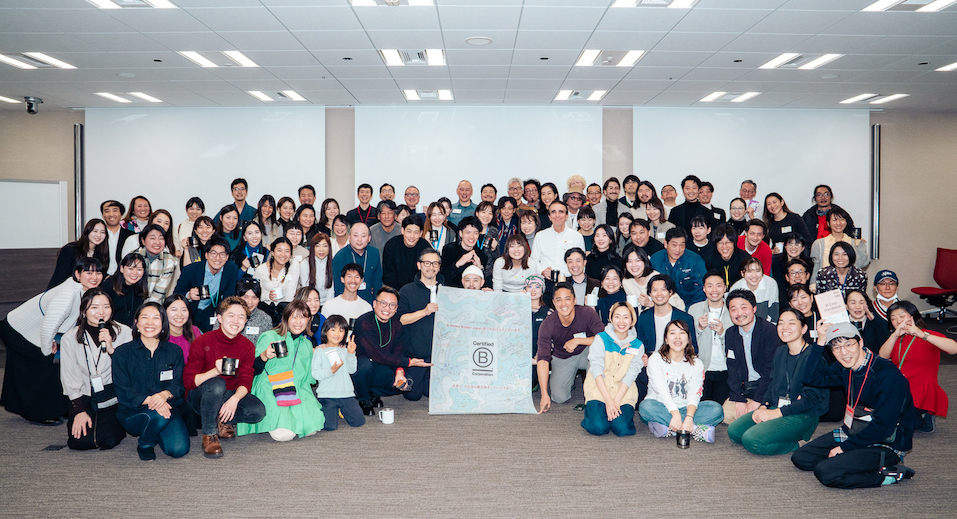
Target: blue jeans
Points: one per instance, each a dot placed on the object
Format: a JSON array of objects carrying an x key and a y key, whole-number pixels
[
  {"x": 707, "y": 413},
  {"x": 351, "y": 412},
  {"x": 170, "y": 433},
  {"x": 596, "y": 420}
]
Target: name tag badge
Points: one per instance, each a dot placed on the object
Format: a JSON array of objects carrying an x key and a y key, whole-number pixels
[
  {"x": 166, "y": 375},
  {"x": 456, "y": 211},
  {"x": 848, "y": 416},
  {"x": 783, "y": 402},
  {"x": 786, "y": 229},
  {"x": 731, "y": 354},
  {"x": 97, "y": 384},
  {"x": 362, "y": 286},
  {"x": 252, "y": 330},
  {"x": 814, "y": 334},
  {"x": 212, "y": 320},
  {"x": 717, "y": 216},
  {"x": 579, "y": 335},
  {"x": 661, "y": 235},
  {"x": 632, "y": 351},
  {"x": 297, "y": 258}
]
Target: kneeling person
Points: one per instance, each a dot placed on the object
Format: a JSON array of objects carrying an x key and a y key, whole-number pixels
[{"x": 614, "y": 361}]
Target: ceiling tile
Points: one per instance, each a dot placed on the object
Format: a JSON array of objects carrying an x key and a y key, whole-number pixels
[
  {"x": 355, "y": 72},
  {"x": 236, "y": 18},
  {"x": 641, "y": 19},
  {"x": 131, "y": 41},
  {"x": 478, "y": 72},
  {"x": 269, "y": 58},
  {"x": 262, "y": 40},
  {"x": 624, "y": 40},
  {"x": 552, "y": 39},
  {"x": 720, "y": 20},
  {"x": 689, "y": 41},
  {"x": 798, "y": 22},
  {"x": 388, "y": 18},
  {"x": 479, "y": 18},
  {"x": 535, "y": 18},
  {"x": 479, "y": 56},
  {"x": 152, "y": 20},
  {"x": 194, "y": 41},
  {"x": 754, "y": 42},
  {"x": 312, "y": 18},
  {"x": 540, "y": 72},
  {"x": 406, "y": 40},
  {"x": 324, "y": 40}
]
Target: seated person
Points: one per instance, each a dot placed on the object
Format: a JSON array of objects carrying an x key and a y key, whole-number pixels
[
  {"x": 675, "y": 379},
  {"x": 873, "y": 330},
  {"x": 575, "y": 263},
  {"x": 860, "y": 453},
  {"x": 222, "y": 400},
  {"x": 796, "y": 272},
  {"x": 148, "y": 379},
  {"x": 348, "y": 304},
  {"x": 789, "y": 411},
  {"x": 562, "y": 340},
  {"x": 279, "y": 278},
  {"x": 615, "y": 358},
  {"x": 751, "y": 345},
  {"x": 251, "y": 251},
  {"x": 753, "y": 243},
  {"x": 283, "y": 384},
  {"x": 333, "y": 361},
  {"x": 763, "y": 287},
  {"x": 217, "y": 274}
]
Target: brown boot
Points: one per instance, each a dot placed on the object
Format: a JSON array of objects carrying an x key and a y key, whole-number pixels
[
  {"x": 227, "y": 431},
  {"x": 211, "y": 446}
]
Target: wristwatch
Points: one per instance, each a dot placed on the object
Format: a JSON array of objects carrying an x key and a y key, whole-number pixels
[{"x": 926, "y": 334}]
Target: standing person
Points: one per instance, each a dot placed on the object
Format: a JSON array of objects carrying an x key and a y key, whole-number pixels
[
  {"x": 216, "y": 273},
  {"x": 606, "y": 210},
  {"x": 551, "y": 244},
  {"x": 738, "y": 215},
  {"x": 790, "y": 409},
  {"x": 227, "y": 226},
  {"x": 815, "y": 218},
  {"x": 573, "y": 202},
  {"x": 751, "y": 345},
  {"x": 781, "y": 221},
  {"x": 416, "y": 313},
  {"x": 885, "y": 288},
  {"x": 753, "y": 243},
  {"x": 279, "y": 276},
  {"x": 535, "y": 288},
  {"x": 512, "y": 269},
  {"x": 266, "y": 218},
  {"x": 182, "y": 231},
  {"x": 681, "y": 215},
  {"x": 582, "y": 284},
  {"x": 348, "y": 304},
  {"x": 842, "y": 274},
  {"x": 457, "y": 256},
  {"x": 160, "y": 264},
  {"x": 514, "y": 188},
  {"x": 562, "y": 340},
  {"x": 334, "y": 388},
  {"x": 507, "y": 221},
  {"x": 359, "y": 252},
  {"x": 531, "y": 191},
  {"x": 239, "y": 189},
  {"x": 328, "y": 212},
  {"x": 549, "y": 194},
  {"x": 675, "y": 379},
  {"x": 859, "y": 454},
  {"x": 916, "y": 352},
  {"x": 748, "y": 191},
  {"x": 283, "y": 387},
  {"x": 310, "y": 296},
  {"x": 437, "y": 229},
  {"x": 528, "y": 222},
  {"x": 603, "y": 251},
  {"x": 92, "y": 243},
  {"x": 683, "y": 266},
  {"x": 795, "y": 250},
  {"x": 586, "y": 225},
  {"x": 219, "y": 399},
  {"x": 668, "y": 197},
  {"x": 307, "y": 195},
  {"x": 614, "y": 361},
  {"x": 148, "y": 380},
  {"x": 385, "y": 229},
  {"x": 488, "y": 193},
  {"x": 764, "y": 288},
  {"x": 838, "y": 224},
  {"x": 257, "y": 322},
  {"x": 705, "y": 193},
  {"x": 412, "y": 198},
  {"x": 127, "y": 289},
  {"x": 365, "y": 213},
  {"x": 640, "y": 233},
  {"x": 86, "y": 373},
  {"x": 655, "y": 214},
  {"x": 387, "y": 192},
  {"x": 629, "y": 198},
  {"x": 316, "y": 270},
  {"x": 251, "y": 249},
  {"x": 401, "y": 253},
  {"x": 138, "y": 216},
  {"x": 286, "y": 208},
  {"x": 31, "y": 335},
  {"x": 700, "y": 239},
  {"x": 203, "y": 230},
  {"x": 711, "y": 319},
  {"x": 340, "y": 234},
  {"x": 726, "y": 257},
  {"x": 116, "y": 233},
  {"x": 463, "y": 206},
  {"x": 306, "y": 218}
]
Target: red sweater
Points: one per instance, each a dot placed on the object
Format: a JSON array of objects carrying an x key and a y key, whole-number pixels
[
  {"x": 214, "y": 345},
  {"x": 763, "y": 253}
]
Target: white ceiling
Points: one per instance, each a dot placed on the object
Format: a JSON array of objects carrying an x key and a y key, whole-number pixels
[{"x": 300, "y": 45}]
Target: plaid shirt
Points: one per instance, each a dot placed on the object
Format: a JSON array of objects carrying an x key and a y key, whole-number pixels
[{"x": 159, "y": 274}]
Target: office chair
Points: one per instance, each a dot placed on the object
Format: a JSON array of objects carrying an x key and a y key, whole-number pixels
[{"x": 945, "y": 275}]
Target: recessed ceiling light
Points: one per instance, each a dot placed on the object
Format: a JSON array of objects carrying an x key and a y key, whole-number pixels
[
  {"x": 857, "y": 98},
  {"x": 888, "y": 99},
  {"x": 8, "y": 100},
  {"x": 363, "y": 3},
  {"x": 780, "y": 60},
  {"x": 597, "y": 95},
  {"x": 49, "y": 59},
  {"x": 411, "y": 95},
  {"x": 15, "y": 62},
  {"x": 146, "y": 97},
  {"x": 563, "y": 95},
  {"x": 445, "y": 95},
  {"x": 112, "y": 97},
  {"x": 104, "y": 4},
  {"x": 240, "y": 58},
  {"x": 392, "y": 57},
  {"x": 478, "y": 40},
  {"x": 681, "y": 4},
  {"x": 161, "y": 4},
  {"x": 292, "y": 94},
  {"x": 435, "y": 57},
  {"x": 259, "y": 95},
  {"x": 948, "y": 68},
  {"x": 827, "y": 58},
  {"x": 711, "y": 97},
  {"x": 882, "y": 5},
  {"x": 933, "y": 7},
  {"x": 587, "y": 58},
  {"x": 631, "y": 58},
  {"x": 745, "y": 96},
  {"x": 196, "y": 58}
]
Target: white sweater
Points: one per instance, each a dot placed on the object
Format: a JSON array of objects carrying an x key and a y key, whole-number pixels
[
  {"x": 325, "y": 293},
  {"x": 675, "y": 384},
  {"x": 47, "y": 314},
  {"x": 512, "y": 280},
  {"x": 289, "y": 282}
]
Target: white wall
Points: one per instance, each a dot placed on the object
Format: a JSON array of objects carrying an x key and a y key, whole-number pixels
[
  {"x": 784, "y": 151},
  {"x": 172, "y": 154},
  {"x": 47, "y": 225},
  {"x": 434, "y": 148}
]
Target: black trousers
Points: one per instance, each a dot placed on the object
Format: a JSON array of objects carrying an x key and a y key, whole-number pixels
[
  {"x": 105, "y": 433},
  {"x": 208, "y": 398},
  {"x": 716, "y": 386},
  {"x": 372, "y": 379},
  {"x": 31, "y": 380},
  {"x": 859, "y": 468},
  {"x": 420, "y": 382}
]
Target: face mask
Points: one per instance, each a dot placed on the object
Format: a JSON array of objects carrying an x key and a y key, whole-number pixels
[{"x": 887, "y": 299}]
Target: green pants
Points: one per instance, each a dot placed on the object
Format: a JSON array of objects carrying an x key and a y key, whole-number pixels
[{"x": 778, "y": 436}]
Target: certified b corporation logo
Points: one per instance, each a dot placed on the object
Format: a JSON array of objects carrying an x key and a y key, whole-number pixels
[{"x": 482, "y": 357}]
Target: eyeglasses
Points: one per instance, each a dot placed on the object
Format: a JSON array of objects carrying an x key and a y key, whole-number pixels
[
  {"x": 435, "y": 264},
  {"x": 821, "y": 195},
  {"x": 413, "y": 195},
  {"x": 217, "y": 254},
  {"x": 576, "y": 197},
  {"x": 239, "y": 188},
  {"x": 387, "y": 306},
  {"x": 796, "y": 272},
  {"x": 847, "y": 345}
]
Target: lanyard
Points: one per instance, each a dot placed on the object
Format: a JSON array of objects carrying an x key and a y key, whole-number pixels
[
  {"x": 435, "y": 244},
  {"x": 99, "y": 356},
  {"x": 796, "y": 364},
  {"x": 867, "y": 371},
  {"x": 364, "y": 258},
  {"x": 364, "y": 219},
  {"x": 900, "y": 342},
  {"x": 381, "y": 344}
]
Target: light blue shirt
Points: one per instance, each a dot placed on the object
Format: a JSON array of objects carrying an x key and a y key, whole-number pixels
[
  {"x": 212, "y": 281},
  {"x": 746, "y": 339},
  {"x": 463, "y": 211}
]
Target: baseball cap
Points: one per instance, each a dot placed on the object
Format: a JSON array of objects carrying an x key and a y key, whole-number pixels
[
  {"x": 843, "y": 330},
  {"x": 886, "y": 274}
]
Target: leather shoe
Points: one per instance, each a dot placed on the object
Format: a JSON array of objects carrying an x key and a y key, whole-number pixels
[
  {"x": 227, "y": 431},
  {"x": 211, "y": 446},
  {"x": 146, "y": 453},
  {"x": 376, "y": 401},
  {"x": 367, "y": 408}
]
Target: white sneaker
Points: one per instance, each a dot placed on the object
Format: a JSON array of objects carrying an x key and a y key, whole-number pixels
[
  {"x": 703, "y": 433},
  {"x": 660, "y": 430}
]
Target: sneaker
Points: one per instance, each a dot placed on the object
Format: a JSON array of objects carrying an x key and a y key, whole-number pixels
[
  {"x": 660, "y": 430},
  {"x": 580, "y": 407},
  {"x": 703, "y": 433},
  {"x": 928, "y": 424},
  {"x": 146, "y": 453},
  {"x": 898, "y": 472}
]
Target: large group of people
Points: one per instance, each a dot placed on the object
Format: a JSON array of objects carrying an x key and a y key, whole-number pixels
[{"x": 281, "y": 319}]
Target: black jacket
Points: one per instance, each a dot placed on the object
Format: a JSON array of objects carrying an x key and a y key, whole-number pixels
[{"x": 764, "y": 345}]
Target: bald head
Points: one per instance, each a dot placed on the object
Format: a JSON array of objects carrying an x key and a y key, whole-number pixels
[
  {"x": 359, "y": 236},
  {"x": 464, "y": 191}
]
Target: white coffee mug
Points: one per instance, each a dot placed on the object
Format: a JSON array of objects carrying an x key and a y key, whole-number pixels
[
  {"x": 333, "y": 355},
  {"x": 591, "y": 299},
  {"x": 278, "y": 291},
  {"x": 632, "y": 300},
  {"x": 387, "y": 415}
]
